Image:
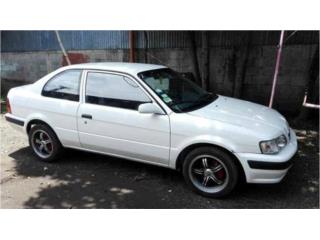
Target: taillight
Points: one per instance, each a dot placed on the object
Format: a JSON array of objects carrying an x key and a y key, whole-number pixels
[{"x": 8, "y": 106}]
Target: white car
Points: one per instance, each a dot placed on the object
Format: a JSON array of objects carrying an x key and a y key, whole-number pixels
[{"x": 151, "y": 114}]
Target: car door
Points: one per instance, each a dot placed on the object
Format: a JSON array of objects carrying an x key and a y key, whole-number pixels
[{"x": 109, "y": 121}]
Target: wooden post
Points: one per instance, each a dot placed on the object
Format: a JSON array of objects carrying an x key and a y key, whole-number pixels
[
  {"x": 241, "y": 65},
  {"x": 146, "y": 45},
  {"x": 62, "y": 48},
  {"x": 131, "y": 46},
  {"x": 205, "y": 59},
  {"x": 194, "y": 56}
]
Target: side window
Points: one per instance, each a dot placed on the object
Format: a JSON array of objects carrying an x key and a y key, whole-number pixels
[
  {"x": 64, "y": 86},
  {"x": 114, "y": 90}
]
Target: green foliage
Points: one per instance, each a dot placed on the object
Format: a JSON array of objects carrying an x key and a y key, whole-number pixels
[{"x": 3, "y": 105}]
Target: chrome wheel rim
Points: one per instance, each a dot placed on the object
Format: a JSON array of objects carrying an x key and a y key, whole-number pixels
[
  {"x": 208, "y": 173},
  {"x": 42, "y": 143}
]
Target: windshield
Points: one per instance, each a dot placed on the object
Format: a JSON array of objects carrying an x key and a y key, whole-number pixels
[{"x": 179, "y": 93}]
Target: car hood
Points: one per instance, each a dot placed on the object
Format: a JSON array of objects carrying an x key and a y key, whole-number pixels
[{"x": 244, "y": 114}]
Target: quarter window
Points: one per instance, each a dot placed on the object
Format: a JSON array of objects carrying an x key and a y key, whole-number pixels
[
  {"x": 114, "y": 90},
  {"x": 64, "y": 86}
]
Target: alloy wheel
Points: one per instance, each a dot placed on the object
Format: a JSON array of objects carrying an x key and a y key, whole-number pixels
[
  {"x": 208, "y": 173},
  {"x": 42, "y": 143}
]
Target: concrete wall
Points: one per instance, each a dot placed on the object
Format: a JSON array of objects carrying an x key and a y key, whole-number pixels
[
  {"x": 26, "y": 67},
  {"x": 18, "y": 68},
  {"x": 258, "y": 75}
]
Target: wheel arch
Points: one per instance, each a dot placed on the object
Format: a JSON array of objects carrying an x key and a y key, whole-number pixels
[
  {"x": 188, "y": 149},
  {"x": 40, "y": 121},
  {"x": 37, "y": 121}
]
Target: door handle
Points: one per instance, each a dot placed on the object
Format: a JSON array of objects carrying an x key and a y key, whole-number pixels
[{"x": 88, "y": 116}]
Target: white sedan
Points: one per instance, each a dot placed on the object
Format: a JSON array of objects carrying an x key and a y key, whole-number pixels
[{"x": 151, "y": 114}]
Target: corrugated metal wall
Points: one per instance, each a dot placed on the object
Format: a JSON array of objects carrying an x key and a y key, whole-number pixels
[
  {"x": 163, "y": 39},
  {"x": 26, "y": 41},
  {"x": 181, "y": 39}
]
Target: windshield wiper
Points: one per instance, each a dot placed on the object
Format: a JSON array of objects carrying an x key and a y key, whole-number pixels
[
  {"x": 181, "y": 102},
  {"x": 201, "y": 101},
  {"x": 205, "y": 98}
]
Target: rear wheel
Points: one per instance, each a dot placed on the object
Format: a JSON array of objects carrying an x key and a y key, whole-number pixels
[
  {"x": 210, "y": 172},
  {"x": 44, "y": 143}
]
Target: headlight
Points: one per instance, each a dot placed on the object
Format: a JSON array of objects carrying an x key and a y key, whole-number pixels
[{"x": 273, "y": 146}]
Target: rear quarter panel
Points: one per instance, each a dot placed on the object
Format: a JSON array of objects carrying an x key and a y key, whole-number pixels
[
  {"x": 28, "y": 104},
  {"x": 19, "y": 98}
]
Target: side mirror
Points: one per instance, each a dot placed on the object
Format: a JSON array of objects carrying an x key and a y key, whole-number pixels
[{"x": 150, "y": 108}]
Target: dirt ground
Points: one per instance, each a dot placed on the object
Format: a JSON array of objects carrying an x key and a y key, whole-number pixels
[{"x": 85, "y": 180}]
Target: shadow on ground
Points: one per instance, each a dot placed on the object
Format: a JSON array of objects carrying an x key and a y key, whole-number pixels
[{"x": 85, "y": 180}]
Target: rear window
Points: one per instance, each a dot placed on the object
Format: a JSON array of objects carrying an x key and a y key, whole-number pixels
[{"x": 64, "y": 86}]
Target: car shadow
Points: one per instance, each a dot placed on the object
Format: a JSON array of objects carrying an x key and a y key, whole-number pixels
[{"x": 86, "y": 180}]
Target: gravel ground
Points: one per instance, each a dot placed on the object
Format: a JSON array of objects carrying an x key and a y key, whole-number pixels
[{"x": 85, "y": 180}]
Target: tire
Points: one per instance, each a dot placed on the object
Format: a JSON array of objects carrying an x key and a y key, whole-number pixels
[
  {"x": 42, "y": 135},
  {"x": 217, "y": 179}
]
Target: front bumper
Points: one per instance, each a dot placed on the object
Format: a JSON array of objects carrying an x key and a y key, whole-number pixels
[{"x": 264, "y": 168}]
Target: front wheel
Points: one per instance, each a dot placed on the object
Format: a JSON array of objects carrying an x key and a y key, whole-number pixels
[
  {"x": 210, "y": 172},
  {"x": 44, "y": 143}
]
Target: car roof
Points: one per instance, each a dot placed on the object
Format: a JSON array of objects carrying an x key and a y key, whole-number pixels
[{"x": 130, "y": 68}]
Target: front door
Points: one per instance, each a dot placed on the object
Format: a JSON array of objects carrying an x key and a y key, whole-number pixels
[{"x": 109, "y": 121}]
